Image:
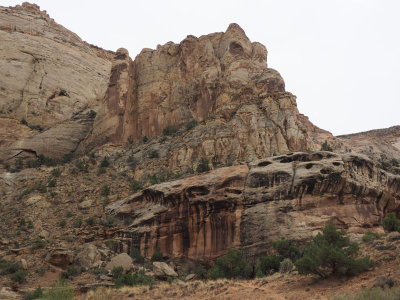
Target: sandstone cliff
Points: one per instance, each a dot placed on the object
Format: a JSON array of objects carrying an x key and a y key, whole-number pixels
[
  {"x": 250, "y": 206},
  {"x": 50, "y": 80}
]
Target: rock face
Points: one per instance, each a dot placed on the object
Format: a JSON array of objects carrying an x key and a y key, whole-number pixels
[
  {"x": 381, "y": 145},
  {"x": 50, "y": 79},
  {"x": 250, "y": 206},
  {"x": 220, "y": 80}
]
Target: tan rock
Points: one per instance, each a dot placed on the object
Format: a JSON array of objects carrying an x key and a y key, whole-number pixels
[
  {"x": 88, "y": 256},
  {"x": 24, "y": 264},
  {"x": 121, "y": 260},
  {"x": 163, "y": 269},
  {"x": 251, "y": 206},
  {"x": 60, "y": 257},
  {"x": 50, "y": 77}
]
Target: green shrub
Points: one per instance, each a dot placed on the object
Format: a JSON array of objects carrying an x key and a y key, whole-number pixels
[
  {"x": 109, "y": 221},
  {"x": 19, "y": 165},
  {"x": 287, "y": 249},
  {"x": 332, "y": 253},
  {"x": 117, "y": 272},
  {"x": 157, "y": 255},
  {"x": 136, "y": 186},
  {"x": 41, "y": 271},
  {"x": 170, "y": 130},
  {"x": 71, "y": 272},
  {"x": 77, "y": 223},
  {"x": 132, "y": 162},
  {"x": 286, "y": 266},
  {"x": 92, "y": 114},
  {"x": 203, "y": 166},
  {"x": 145, "y": 139},
  {"x": 391, "y": 223},
  {"x": 136, "y": 255},
  {"x": 154, "y": 154},
  {"x": 51, "y": 182},
  {"x": 105, "y": 190},
  {"x": 81, "y": 165},
  {"x": 56, "y": 172},
  {"x": 36, "y": 294},
  {"x": 90, "y": 221},
  {"x": 38, "y": 243},
  {"x": 105, "y": 162},
  {"x": 60, "y": 291},
  {"x": 19, "y": 276},
  {"x": 9, "y": 267},
  {"x": 112, "y": 245},
  {"x": 99, "y": 271},
  {"x": 326, "y": 147},
  {"x": 136, "y": 279},
  {"x": 68, "y": 214},
  {"x": 232, "y": 265},
  {"x": 101, "y": 170},
  {"x": 62, "y": 223},
  {"x": 268, "y": 264},
  {"x": 191, "y": 124},
  {"x": 370, "y": 236}
]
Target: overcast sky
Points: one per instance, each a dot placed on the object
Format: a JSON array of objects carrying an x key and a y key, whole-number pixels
[{"x": 340, "y": 58}]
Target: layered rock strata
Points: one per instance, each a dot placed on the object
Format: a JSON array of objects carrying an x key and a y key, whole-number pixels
[
  {"x": 50, "y": 79},
  {"x": 250, "y": 206}
]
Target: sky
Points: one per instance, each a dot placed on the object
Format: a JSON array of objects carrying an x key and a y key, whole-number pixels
[{"x": 340, "y": 58}]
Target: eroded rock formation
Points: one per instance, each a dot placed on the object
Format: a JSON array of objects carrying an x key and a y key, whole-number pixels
[
  {"x": 250, "y": 206},
  {"x": 50, "y": 78},
  {"x": 220, "y": 80}
]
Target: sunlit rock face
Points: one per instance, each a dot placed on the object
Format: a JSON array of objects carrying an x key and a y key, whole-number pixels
[
  {"x": 221, "y": 80},
  {"x": 250, "y": 206},
  {"x": 50, "y": 80}
]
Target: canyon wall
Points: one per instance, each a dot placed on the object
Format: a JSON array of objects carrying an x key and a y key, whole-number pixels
[{"x": 250, "y": 206}]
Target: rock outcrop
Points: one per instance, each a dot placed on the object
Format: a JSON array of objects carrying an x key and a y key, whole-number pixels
[
  {"x": 250, "y": 206},
  {"x": 50, "y": 80},
  {"x": 219, "y": 80}
]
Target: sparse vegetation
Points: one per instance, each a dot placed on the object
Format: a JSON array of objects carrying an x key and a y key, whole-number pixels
[
  {"x": 157, "y": 255},
  {"x": 105, "y": 163},
  {"x": 52, "y": 182},
  {"x": 391, "y": 223},
  {"x": 191, "y": 124},
  {"x": 56, "y": 172},
  {"x": 36, "y": 294},
  {"x": 232, "y": 265},
  {"x": 286, "y": 266},
  {"x": 71, "y": 272},
  {"x": 77, "y": 223},
  {"x": 38, "y": 243},
  {"x": 92, "y": 114},
  {"x": 203, "y": 165},
  {"x": 112, "y": 245},
  {"x": 154, "y": 154},
  {"x": 376, "y": 293},
  {"x": 81, "y": 165},
  {"x": 332, "y": 253},
  {"x": 136, "y": 255},
  {"x": 136, "y": 185},
  {"x": 326, "y": 147},
  {"x": 90, "y": 221},
  {"x": 135, "y": 279},
  {"x": 169, "y": 130},
  {"x": 105, "y": 190},
  {"x": 60, "y": 291},
  {"x": 370, "y": 236}
]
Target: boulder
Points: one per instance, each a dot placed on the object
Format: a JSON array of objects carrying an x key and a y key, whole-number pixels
[
  {"x": 60, "y": 257},
  {"x": 88, "y": 256},
  {"x": 24, "y": 264},
  {"x": 190, "y": 277},
  {"x": 121, "y": 260},
  {"x": 162, "y": 269}
]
